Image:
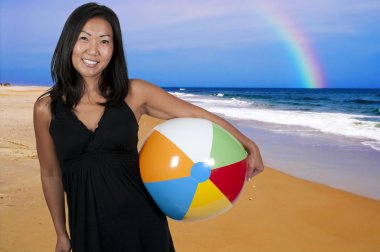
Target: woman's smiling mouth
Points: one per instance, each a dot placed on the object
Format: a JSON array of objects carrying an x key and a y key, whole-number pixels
[{"x": 89, "y": 62}]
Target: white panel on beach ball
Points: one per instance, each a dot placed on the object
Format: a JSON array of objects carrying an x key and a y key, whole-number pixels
[{"x": 192, "y": 135}]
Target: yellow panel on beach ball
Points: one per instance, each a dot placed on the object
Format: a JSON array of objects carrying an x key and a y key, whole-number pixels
[
  {"x": 208, "y": 201},
  {"x": 160, "y": 160}
]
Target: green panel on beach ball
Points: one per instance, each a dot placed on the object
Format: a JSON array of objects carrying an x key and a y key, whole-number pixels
[{"x": 226, "y": 149}]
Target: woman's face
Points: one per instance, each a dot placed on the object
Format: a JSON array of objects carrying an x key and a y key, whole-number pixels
[{"x": 93, "y": 49}]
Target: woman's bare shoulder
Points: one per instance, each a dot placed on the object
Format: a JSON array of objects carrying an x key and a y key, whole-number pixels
[
  {"x": 137, "y": 84},
  {"x": 136, "y": 89},
  {"x": 141, "y": 89},
  {"x": 42, "y": 107}
]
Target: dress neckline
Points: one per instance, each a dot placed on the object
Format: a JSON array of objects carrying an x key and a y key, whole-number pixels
[
  {"x": 84, "y": 126},
  {"x": 100, "y": 122}
]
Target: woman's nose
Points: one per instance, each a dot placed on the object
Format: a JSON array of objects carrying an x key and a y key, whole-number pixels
[{"x": 92, "y": 48}]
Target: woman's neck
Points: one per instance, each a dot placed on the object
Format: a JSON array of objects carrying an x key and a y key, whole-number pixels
[{"x": 91, "y": 86}]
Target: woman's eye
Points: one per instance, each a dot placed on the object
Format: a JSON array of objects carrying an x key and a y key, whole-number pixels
[
  {"x": 83, "y": 38},
  {"x": 105, "y": 42}
]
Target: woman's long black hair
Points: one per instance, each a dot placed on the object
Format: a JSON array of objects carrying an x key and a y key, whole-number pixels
[{"x": 67, "y": 81}]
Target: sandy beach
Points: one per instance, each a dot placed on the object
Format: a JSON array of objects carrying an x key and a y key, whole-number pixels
[{"x": 275, "y": 212}]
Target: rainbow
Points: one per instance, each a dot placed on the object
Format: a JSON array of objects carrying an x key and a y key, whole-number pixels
[{"x": 298, "y": 45}]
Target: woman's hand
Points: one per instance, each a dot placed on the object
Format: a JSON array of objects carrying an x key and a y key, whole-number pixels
[
  {"x": 63, "y": 243},
  {"x": 255, "y": 162}
]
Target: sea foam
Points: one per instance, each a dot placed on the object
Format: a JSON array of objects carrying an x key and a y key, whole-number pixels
[{"x": 340, "y": 124}]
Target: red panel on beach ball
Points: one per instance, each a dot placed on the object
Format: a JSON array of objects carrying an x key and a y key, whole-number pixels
[{"x": 230, "y": 179}]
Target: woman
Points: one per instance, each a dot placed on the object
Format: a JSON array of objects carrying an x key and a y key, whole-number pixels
[{"x": 86, "y": 135}]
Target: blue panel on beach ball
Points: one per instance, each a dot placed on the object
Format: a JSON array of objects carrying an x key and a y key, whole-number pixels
[{"x": 173, "y": 196}]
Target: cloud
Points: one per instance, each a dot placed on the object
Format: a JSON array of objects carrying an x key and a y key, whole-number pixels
[
  {"x": 163, "y": 25},
  {"x": 326, "y": 17},
  {"x": 152, "y": 25},
  {"x": 140, "y": 15}
]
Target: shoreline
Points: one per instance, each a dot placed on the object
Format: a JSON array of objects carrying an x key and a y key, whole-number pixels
[
  {"x": 274, "y": 212},
  {"x": 289, "y": 109},
  {"x": 340, "y": 163},
  {"x": 337, "y": 160}
]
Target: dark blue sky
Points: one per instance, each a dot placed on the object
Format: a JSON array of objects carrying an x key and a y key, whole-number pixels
[{"x": 208, "y": 43}]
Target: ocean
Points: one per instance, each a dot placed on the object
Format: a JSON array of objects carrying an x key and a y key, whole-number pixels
[
  {"x": 329, "y": 136},
  {"x": 353, "y": 113}
]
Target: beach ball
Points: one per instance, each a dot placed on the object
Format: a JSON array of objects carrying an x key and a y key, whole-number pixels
[{"x": 192, "y": 168}]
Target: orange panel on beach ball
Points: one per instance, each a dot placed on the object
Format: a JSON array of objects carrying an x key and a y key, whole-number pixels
[{"x": 163, "y": 163}]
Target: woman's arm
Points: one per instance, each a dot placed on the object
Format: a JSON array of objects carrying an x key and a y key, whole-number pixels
[
  {"x": 156, "y": 102},
  {"x": 50, "y": 171}
]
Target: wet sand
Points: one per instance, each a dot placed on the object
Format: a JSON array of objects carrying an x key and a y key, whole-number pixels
[{"x": 275, "y": 212}]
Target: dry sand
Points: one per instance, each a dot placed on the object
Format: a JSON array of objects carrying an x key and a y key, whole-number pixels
[{"x": 275, "y": 212}]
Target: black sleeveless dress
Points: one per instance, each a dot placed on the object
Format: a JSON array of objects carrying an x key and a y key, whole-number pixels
[{"x": 108, "y": 206}]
